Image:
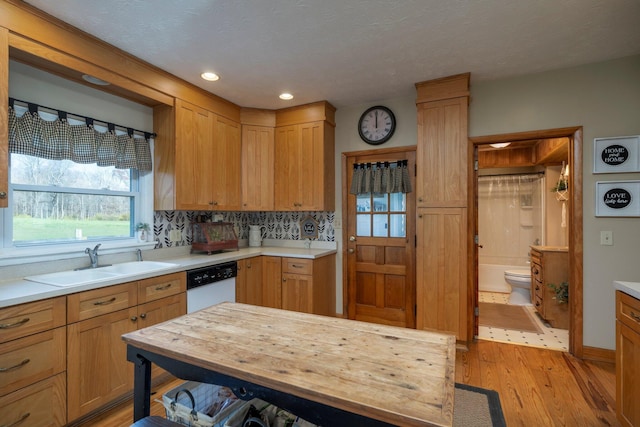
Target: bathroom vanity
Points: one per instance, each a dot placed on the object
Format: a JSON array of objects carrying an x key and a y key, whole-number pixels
[{"x": 549, "y": 264}]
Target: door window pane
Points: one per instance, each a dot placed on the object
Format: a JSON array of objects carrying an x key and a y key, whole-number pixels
[
  {"x": 398, "y": 227},
  {"x": 363, "y": 225},
  {"x": 380, "y": 202},
  {"x": 363, "y": 203},
  {"x": 380, "y": 226},
  {"x": 398, "y": 202}
]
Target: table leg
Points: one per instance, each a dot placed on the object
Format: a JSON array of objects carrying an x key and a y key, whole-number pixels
[{"x": 141, "y": 384}]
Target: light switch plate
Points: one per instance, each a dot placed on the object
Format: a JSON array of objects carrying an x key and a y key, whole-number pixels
[
  {"x": 175, "y": 235},
  {"x": 606, "y": 238}
]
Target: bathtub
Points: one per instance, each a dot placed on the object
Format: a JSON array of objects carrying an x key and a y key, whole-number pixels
[{"x": 491, "y": 277}]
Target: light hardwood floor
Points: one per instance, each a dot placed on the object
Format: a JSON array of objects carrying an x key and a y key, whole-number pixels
[{"x": 537, "y": 387}]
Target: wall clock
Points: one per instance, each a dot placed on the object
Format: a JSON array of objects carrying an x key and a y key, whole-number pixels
[{"x": 376, "y": 125}]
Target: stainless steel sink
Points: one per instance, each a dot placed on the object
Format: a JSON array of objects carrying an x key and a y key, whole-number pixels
[{"x": 102, "y": 274}]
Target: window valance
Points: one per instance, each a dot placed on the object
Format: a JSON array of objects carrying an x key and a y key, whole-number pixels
[
  {"x": 380, "y": 177},
  {"x": 57, "y": 139}
]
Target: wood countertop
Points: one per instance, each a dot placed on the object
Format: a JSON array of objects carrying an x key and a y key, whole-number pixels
[{"x": 395, "y": 375}]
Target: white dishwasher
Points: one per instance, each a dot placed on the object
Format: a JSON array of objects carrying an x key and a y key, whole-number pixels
[{"x": 211, "y": 285}]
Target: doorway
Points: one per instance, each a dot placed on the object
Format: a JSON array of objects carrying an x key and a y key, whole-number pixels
[
  {"x": 379, "y": 236},
  {"x": 574, "y": 218}
]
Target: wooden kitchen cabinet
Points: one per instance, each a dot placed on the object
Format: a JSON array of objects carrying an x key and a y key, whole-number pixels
[
  {"x": 304, "y": 158},
  {"x": 97, "y": 365},
  {"x": 441, "y": 246},
  {"x": 549, "y": 264},
  {"x": 249, "y": 281},
  {"x": 33, "y": 358},
  {"x": 308, "y": 285},
  {"x": 272, "y": 281},
  {"x": 627, "y": 359},
  {"x": 197, "y": 159},
  {"x": 443, "y": 250},
  {"x": 443, "y": 149},
  {"x": 258, "y": 152}
]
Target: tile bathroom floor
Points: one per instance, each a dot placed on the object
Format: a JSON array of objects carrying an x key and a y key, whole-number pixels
[{"x": 552, "y": 339}]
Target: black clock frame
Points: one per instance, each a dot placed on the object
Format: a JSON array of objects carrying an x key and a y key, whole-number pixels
[{"x": 386, "y": 138}]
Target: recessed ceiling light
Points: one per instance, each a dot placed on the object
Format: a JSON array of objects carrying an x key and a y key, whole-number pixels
[
  {"x": 501, "y": 145},
  {"x": 286, "y": 96},
  {"x": 95, "y": 80},
  {"x": 212, "y": 77}
]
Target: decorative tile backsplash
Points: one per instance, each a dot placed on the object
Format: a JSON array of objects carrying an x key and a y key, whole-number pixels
[{"x": 278, "y": 225}]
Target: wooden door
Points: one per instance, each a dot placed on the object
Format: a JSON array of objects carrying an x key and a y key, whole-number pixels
[
  {"x": 381, "y": 249},
  {"x": 287, "y": 168},
  {"x": 297, "y": 292},
  {"x": 97, "y": 366},
  {"x": 224, "y": 164},
  {"x": 257, "y": 168},
  {"x": 272, "y": 281},
  {"x": 249, "y": 281},
  {"x": 193, "y": 157},
  {"x": 441, "y": 245}
]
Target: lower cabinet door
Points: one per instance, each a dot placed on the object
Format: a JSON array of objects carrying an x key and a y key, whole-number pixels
[
  {"x": 297, "y": 292},
  {"x": 39, "y": 405},
  {"x": 97, "y": 368}
]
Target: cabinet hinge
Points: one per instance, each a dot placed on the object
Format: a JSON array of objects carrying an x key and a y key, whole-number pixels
[
  {"x": 476, "y": 239},
  {"x": 475, "y": 165},
  {"x": 415, "y": 170},
  {"x": 415, "y": 241},
  {"x": 476, "y": 311}
]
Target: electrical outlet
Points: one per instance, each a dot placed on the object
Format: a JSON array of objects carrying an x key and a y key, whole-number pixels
[
  {"x": 606, "y": 238},
  {"x": 175, "y": 235},
  {"x": 218, "y": 217}
]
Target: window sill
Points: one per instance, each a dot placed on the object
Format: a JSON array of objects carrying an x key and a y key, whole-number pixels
[{"x": 25, "y": 255}]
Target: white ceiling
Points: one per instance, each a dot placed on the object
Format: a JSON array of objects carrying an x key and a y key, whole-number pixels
[{"x": 354, "y": 51}]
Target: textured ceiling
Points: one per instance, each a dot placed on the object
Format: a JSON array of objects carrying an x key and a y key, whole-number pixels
[{"x": 354, "y": 51}]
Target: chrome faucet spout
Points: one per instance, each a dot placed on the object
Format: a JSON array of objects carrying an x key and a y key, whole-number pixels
[{"x": 93, "y": 255}]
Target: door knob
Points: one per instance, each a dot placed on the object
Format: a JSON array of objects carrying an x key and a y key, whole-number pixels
[{"x": 352, "y": 238}]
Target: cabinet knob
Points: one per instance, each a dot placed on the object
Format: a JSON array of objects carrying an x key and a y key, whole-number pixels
[
  {"x": 284, "y": 279},
  {"x": 420, "y": 199},
  {"x": 134, "y": 318},
  {"x": 350, "y": 250},
  {"x": 3, "y": 194},
  {"x": 143, "y": 316}
]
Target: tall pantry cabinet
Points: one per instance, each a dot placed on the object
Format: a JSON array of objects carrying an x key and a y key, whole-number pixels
[{"x": 442, "y": 178}]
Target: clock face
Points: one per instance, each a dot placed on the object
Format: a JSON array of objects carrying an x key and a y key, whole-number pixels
[{"x": 376, "y": 125}]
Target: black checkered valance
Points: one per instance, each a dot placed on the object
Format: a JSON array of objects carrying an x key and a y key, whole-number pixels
[
  {"x": 56, "y": 139},
  {"x": 380, "y": 177}
]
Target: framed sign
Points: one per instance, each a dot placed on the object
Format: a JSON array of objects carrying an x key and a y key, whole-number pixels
[
  {"x": 616, "y": 155},
  {"x": 618, "y": 198},
  {"x": 308, "y": 228}
]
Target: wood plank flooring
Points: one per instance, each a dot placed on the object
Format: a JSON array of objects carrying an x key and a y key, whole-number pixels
[{"x": 537, "y": 387}]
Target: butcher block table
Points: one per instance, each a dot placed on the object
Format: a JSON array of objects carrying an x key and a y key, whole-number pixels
[{"x": 329, "y": 371}]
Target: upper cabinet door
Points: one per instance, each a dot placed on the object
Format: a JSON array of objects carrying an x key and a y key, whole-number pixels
[
  {"x": 442, "y": 153},
  {"x": 258, "y": 147},
  {"x": 225, "y": 165},
  {"x": 194, "y": 151}
]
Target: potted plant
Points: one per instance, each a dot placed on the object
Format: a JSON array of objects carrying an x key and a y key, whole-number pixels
[
  {"x": 562, "y": 292},
  {"x": 142, "y": 231}
]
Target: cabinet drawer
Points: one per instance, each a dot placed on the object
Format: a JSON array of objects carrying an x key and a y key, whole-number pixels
[
  {"x": 537, "y": 274},
  {"x": 297, "y": 266},
  {"x": 85, "y": 305},
  {"x": 162, "y": 286},
  {"x": 27, "y": 360},
  {"x": 25, "y": 319},
  {"x": 628, "y": 310},
  {"x": 39, "y": 405}
]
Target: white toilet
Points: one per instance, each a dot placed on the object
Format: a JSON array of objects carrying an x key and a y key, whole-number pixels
[{"x": 520, "y": 281}]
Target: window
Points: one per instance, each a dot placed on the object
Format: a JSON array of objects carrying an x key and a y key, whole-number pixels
[
  {"x": 381, "y": 215},
  {"x": 59, "y": 201},
  {"x": 56, "y": 201}
]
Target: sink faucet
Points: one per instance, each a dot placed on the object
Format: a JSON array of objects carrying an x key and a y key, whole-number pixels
[
  {"x": 139, "y": 251},
  {"x": 93, "y": 255}
]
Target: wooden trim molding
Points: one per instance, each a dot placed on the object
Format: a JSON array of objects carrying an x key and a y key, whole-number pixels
[
  {"x": 599, "y": 354},
  {"x": 444, "y": 88},
  {"x": 576, "y": 334}
]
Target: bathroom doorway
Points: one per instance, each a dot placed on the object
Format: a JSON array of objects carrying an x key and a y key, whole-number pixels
[{"x": 527, "y": 149}]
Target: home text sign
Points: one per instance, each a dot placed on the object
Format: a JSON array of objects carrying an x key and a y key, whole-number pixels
[
  {"x": 618, "y": 198},
  {"x": 617, "y": 154}
]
